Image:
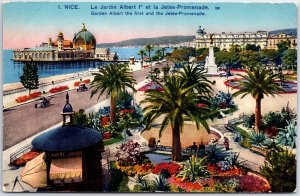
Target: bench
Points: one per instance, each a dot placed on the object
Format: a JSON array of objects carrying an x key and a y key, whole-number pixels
[{"x": 259, "y": 150}]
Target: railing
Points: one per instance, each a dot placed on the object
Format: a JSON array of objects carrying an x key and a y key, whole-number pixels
[
  {"x": 19, "y": 153},
  {"x": 9, "y": 92}
]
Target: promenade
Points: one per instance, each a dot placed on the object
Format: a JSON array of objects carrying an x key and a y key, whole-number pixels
[{"x": 25, "y": 120}]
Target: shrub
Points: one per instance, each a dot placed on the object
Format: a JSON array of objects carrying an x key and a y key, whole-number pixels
[
  {"x": 193, "y": 169},
  {"x": 172, "y": 168},
  {"x": 258, "y": 139},
  {"x": 129, "y": 154},
  {"x": 161, "y": 183},
  {"x": 249, "y": 121},
  {"x": 280, "y": 170},
  {"x": 288, "y": 135},
  {"x": 80, "y": 118},
  {"x": 58, "y": 89},
  {"x": 251, "y": 183}
]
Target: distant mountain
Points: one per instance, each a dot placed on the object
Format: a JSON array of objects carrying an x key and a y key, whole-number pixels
[
  {"x": 292, "y": 31},
  {"x": 153, "y": 41}
]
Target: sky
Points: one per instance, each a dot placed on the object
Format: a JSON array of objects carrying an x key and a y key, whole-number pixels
[{"x": 29, "y": 24}]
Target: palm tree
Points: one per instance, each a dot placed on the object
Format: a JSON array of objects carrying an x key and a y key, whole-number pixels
[
  {"x": 112, "y": 79},
  {"x": 258, "y": 82},
  {"x": 176, "y": 104},
  {"x": 142, "y": 53},
  {"x": 149, "y": 48},
  {"x": 163, "y": 52},
  {"x": 194, "y": 75},
  {"x": 158, "y": 53}
]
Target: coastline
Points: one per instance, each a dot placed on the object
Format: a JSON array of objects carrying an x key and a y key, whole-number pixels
[{"x": 18, "y": 85}]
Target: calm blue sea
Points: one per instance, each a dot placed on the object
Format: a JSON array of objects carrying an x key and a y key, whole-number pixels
[{"x": 12, "y": 70}]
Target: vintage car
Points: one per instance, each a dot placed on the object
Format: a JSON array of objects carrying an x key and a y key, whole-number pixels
[
  {"x": 42, "y": 102},
  {"x": 82, "y": 87}
]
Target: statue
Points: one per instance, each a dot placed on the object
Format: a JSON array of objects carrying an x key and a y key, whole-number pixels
[
  {"x": 83, "y": 28},
  {"x": 211, "y": 38}
]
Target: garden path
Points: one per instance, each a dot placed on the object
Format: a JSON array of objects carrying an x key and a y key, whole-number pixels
[{"x": 250, "y": 160}]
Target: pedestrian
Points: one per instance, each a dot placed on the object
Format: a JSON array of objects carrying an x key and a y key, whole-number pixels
[
  {"x": 194, "y": 147},
  {"x": 226, "y": 143},
  {"x": 201, "y": 149}
]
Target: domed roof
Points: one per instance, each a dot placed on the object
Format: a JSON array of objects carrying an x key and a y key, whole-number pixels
[
  {"x": 60, "y": 34},
  {"x": 84, "y": 34},
  {"x": 66, "y": 138},
  {"x": 68, "y": 107},
  {"x": 200, "y": 31}
]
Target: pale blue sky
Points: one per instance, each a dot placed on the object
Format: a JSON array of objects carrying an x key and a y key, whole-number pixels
[{"x": 24, "y": 23}]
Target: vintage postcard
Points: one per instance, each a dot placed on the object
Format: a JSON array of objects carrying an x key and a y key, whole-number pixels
[{"x": 149, "y": 97}]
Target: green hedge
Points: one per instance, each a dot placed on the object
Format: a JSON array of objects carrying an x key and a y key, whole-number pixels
[{"x": 245, "y": 142}]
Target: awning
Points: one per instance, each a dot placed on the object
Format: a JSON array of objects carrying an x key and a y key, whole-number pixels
[
  {"x": 34, "y": 172},
  {"x": 66, "y": 168}
]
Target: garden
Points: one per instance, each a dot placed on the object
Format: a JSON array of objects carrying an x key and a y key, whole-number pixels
[
  {"x": 217, "y": 171},
  {"x": 129, "y": 116}
]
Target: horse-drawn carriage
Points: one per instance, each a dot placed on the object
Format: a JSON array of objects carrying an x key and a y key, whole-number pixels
[{"x": 42, "y": 102}]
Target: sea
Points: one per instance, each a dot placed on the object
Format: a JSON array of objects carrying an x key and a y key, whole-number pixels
[{"x": 13, "y": 70}]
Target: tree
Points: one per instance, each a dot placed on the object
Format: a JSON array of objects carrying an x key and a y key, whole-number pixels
[
  {"x": 112, "y": 79},
  {"x": 258, "y": 82},
  {"x": 176, "y": 103},
  {"x": 158, "y": 53},
  {"x": 252, "y": 47},
  {"x": 116, "y": 57},
  {"x": 195, "y": 76},
  {"x": 290, "y": 58},
  {"x": 80, "y": 118},
  {"x": 250, "y": 57},
  {"x": 163, "y": 52},
  {"x": 280, "y": 170},
  {"x": 30, "y": 76},
  {"x": 149, "y": 48},
  {"x": 270, "y": 55},
  {"x": 283, "y": 46},
  {"x": 142, "y": 53}
]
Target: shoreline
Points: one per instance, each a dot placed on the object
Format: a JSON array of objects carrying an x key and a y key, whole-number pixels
[{"x": 55, "y": 78}]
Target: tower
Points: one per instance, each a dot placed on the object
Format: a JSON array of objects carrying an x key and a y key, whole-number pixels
[{"x": 60, "y": 41}]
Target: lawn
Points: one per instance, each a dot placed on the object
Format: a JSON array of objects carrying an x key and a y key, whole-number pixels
[{"x": 113, "y": 140}]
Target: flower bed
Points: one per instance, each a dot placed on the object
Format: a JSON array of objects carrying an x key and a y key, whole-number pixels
[
  {"x": 105, "y": 120},
  {"x": 28, "y": 97},
  {"x": 76, "y": 83},
  {"x": 87, "y": 81},
  {"x": 21, "y": 161},
  {"x": 107, "y": 135},
  {"x": 58, "y": 89},
  {"x": 185, "y": 185},
  {"x": 130, "y": 170},
  {"x": 172, "y": 168},
  {"x": 253, "y": 183}
]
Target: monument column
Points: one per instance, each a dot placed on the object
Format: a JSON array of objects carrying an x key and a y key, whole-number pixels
[{"x": 210, "y": 64}]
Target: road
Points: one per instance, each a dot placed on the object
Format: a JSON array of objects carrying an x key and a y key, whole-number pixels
[{"x": 24, "y": 121}]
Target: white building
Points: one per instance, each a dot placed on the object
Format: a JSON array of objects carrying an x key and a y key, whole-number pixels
[
  {"x": 104, "y": 54},
  {"x": 226, "y": 40}
]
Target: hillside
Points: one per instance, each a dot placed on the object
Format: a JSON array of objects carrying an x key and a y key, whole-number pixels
[
  {"x": 153, "y": 41},
  {"x": 292, "y": 31}
]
